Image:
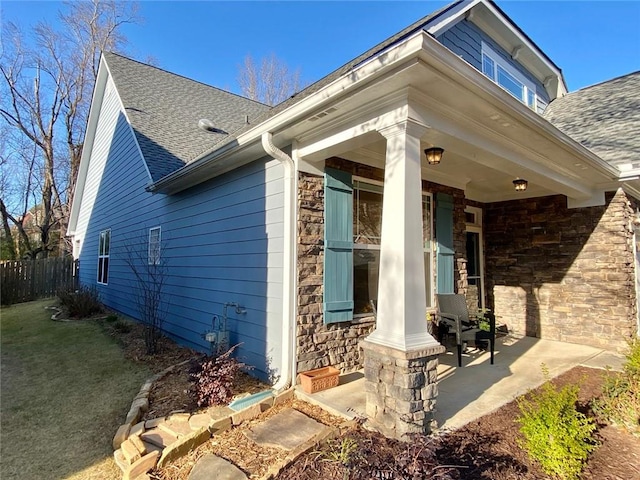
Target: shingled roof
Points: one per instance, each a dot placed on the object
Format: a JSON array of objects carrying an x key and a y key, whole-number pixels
[
  {"x": 605, "y": 118},
  {"x": 343, "y": 70},
  {"x": 164, "y": 110}
]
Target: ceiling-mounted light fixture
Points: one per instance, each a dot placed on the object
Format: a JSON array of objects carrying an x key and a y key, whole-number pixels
[
  {"x": 520, "y": 184},
  {"x": 434, "y": 155}
]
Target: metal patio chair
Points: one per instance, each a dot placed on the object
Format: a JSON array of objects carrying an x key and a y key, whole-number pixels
[{"x": 454, "y": 314}]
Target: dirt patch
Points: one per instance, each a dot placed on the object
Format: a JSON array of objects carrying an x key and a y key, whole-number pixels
[
  {"x": 485, "y": 449},
  {"x": 171, "y": 392}
]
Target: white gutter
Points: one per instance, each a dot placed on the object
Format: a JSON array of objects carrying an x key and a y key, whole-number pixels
[
  {"x": 422, "y": 45},
  {"x": 287, "y": 376}
]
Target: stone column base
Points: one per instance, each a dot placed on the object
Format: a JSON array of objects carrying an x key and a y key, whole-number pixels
[{"x": 401, "y": 388}]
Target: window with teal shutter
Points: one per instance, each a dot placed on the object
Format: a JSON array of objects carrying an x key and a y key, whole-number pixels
[
  {"x": 444, "y": 237},
  {"x": 338, "y": 246}
]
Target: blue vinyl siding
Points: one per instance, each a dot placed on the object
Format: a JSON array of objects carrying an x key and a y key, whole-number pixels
[
  {"x": 465, "y": 40},
  {"x": 222, "y": 241}
]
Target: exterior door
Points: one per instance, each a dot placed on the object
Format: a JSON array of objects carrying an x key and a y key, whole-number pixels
[{"x": 475, "y": 260}]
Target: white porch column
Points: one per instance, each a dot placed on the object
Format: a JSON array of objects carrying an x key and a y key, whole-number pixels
[{"x": 401, "y": 319}]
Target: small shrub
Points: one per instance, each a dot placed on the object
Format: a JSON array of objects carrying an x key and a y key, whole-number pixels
[
  {"x": 556, "y": 434},
  {"x": 213, "y": 378},
  {"x": 82, "y": 302},
  {"x": 341, "y": 451},
  {"x": 620, "y": 400},
  {"x": 420, "y": 459},
  {"x": 111, "y": 318},
  {"x": 121, "y": 326}
]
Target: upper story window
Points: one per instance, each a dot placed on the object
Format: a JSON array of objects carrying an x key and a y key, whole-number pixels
[
  {"x": 104, "y": 248},
  {"x": 500, "y": 71}
]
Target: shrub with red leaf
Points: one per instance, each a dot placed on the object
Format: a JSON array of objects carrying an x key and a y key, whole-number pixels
[{"x": 213, "y": 378}]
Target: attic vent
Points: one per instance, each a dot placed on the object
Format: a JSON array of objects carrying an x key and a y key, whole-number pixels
[
  {"x": 207, "y": 125},
  {"x": 322, "y": 114}
]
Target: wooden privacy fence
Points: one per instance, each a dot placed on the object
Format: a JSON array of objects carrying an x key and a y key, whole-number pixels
[{"x": 25, "y": 280}]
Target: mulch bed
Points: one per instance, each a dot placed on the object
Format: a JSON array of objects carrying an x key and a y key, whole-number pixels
[
  {"x": 171, "y": 393},
  {"x": 487, "y": 448}
]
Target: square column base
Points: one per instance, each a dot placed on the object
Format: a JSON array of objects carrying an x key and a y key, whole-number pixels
[{"x": 401, "y": 389}]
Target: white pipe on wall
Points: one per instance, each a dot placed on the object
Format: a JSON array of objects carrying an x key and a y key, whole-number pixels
[{"x": 287, "y": 376}]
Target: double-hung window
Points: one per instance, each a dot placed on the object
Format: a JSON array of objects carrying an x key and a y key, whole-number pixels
[
  {"x": 501, "y": 72},
  {"x": 104, "y": 246},
  {"x": 154, "y": 246},
  {"x": 367, "y": 228}
]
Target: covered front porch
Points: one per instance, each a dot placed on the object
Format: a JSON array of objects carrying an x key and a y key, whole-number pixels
[
  {"x": 388, "y": 229},
  {"x": 478, "y": 388}
]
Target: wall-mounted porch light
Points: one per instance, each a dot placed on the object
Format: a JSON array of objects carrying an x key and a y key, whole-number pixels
[
  {"x": 520, "y": 184},
  {"x": 434, "y": 155}
]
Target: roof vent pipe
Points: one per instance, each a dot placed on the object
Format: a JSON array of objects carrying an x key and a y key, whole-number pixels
[{"x": 208, "y": 126}]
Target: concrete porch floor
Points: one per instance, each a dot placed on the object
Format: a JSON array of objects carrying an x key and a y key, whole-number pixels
[{"x": 477, "y": 388}]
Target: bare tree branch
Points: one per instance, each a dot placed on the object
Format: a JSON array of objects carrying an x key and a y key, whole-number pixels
[
  {"x": 271, "y": 82},
  {"x": 45, "y": 94}
]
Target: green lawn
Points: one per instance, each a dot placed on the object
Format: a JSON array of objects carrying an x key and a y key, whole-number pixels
[{"x": 65, "y": 389}]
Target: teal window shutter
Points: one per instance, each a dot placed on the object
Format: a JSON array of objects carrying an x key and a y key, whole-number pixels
[
  {"x": 444, "y": 237},
  {"x": 338, "y": 246}
]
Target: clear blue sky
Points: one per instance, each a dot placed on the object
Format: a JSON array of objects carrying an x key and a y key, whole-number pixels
[{"x": 591, "y": 41}]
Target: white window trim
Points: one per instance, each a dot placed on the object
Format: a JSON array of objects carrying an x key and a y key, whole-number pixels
[
  {"x": 426, "y": 248},
  {"x": 103, "y": 256},
  {"x": 498, "y": 60},
  {"x": 476, "y": 227},
  {"x": 153, "y": 257}
]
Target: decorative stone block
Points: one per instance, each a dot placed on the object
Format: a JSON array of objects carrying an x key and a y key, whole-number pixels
[
  {"x": 129, "y": 451},
  {"x": 141, "y": 466},
  {"x": 220, "y": 425},
  {"x": 248, "y": 413},
  {"x": 121, "y": 435},
  {"x": 183, "y": 446},
  {"x": 137, "y": 429},
  {"x": 283, "y": 396}
]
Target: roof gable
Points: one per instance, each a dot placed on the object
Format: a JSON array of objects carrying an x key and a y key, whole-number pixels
[
  {"x": 495, "y": 23},
  {"x": 164, "y": 110},
  {"x": 605, "y": 118}
]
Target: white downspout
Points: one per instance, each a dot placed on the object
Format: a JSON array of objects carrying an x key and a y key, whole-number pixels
[{"x": 287, "y": 376}]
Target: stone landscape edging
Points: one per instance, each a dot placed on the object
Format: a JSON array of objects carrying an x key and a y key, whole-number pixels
[{"x": 133, "y": 427}]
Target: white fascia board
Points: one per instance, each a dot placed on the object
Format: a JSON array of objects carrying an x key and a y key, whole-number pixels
[
  {"x": 448, "y": 19},
  {"x": 431, "y": 52},
  {"x": 442, "y": 23},
  {"x": 89, "y": 136},
  {"x": 363, "y": 73},
  {"x": 632, "y": 189},
  {"x": 104, "y": 76},
  {"x": 133, "y": 134},
  {"x": 528, "y": 44},
  {"x": 437, "y": 55}
]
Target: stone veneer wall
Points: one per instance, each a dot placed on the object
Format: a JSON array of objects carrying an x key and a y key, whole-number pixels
[
  {"x": 320, "y": 345},
  {"x": 563, "y": 274}
]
